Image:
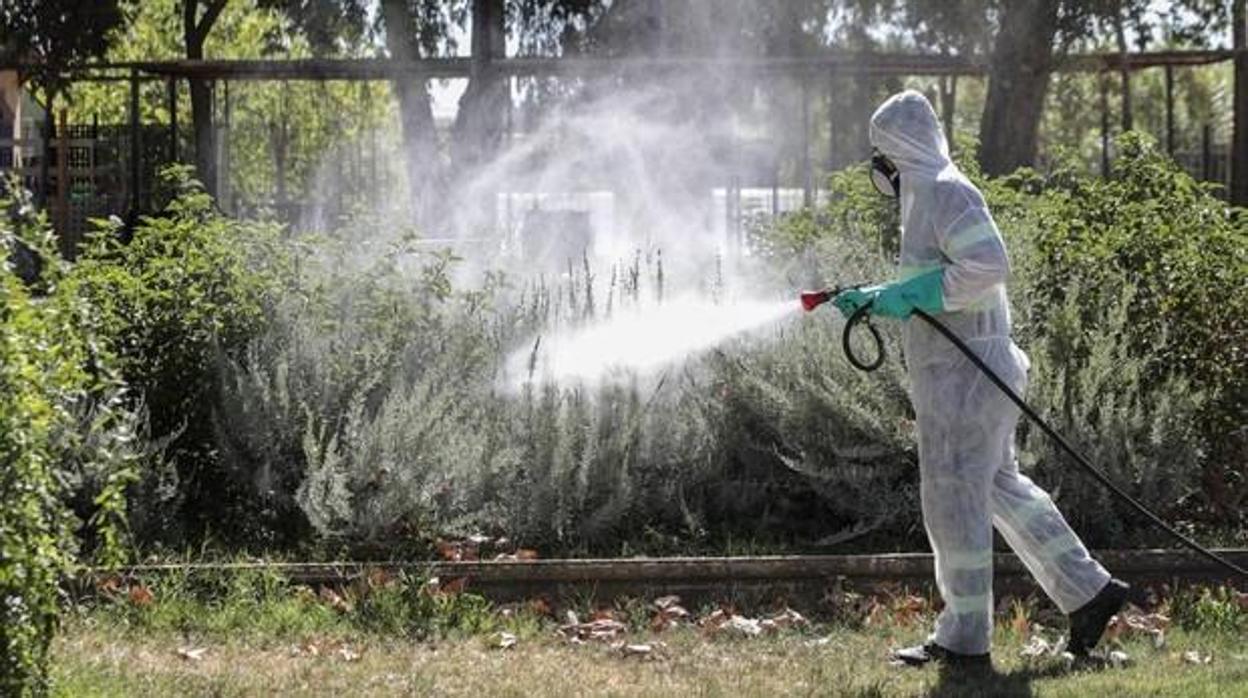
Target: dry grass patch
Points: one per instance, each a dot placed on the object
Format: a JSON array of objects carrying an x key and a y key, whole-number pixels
[{"x": 96, "y": 661}]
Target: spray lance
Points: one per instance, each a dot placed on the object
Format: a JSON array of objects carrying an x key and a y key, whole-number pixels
[{"x": 813, "y": 299}]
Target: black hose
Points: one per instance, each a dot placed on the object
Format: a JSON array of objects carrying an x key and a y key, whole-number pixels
[{"x": 861, "y": 314}]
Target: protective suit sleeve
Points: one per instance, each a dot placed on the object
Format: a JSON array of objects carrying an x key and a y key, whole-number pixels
[{"x": 977, "y": 258}]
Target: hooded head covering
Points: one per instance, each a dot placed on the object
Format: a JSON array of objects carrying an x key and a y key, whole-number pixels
[{"x": 905, "y": 129}]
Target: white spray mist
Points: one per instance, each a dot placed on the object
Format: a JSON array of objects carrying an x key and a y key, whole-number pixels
[{"x": 642, "y": 340}]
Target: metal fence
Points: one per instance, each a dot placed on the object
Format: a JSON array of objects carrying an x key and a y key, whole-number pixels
[{"x": 83, "y": 171}]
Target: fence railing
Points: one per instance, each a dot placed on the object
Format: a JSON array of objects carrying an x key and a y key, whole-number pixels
[{"x": 83, "y": 171}]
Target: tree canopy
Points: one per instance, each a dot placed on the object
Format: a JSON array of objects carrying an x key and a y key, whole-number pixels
[{"x": 47, "y": 36}]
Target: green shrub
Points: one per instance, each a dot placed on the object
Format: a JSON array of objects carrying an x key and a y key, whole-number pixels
[
  {"x": 374, "y": 410},
  {"x": 1155, "y": 263},
  {"x": 65, "y": 439},
  {"x": 1128, "y": 293},
  {"x": 189, "y": 287},
  {"x": 1143, "y": 431},
  {"x": 371, "y": 410}
]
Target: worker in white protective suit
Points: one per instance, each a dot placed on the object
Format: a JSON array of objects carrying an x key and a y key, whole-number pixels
[{"x": 954, "y": 266}]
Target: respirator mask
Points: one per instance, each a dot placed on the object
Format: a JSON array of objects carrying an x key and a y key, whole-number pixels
[{"x": 884, "y": 175}]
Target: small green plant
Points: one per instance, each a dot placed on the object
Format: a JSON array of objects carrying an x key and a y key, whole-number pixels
[{"x": 1211, "y": 609}]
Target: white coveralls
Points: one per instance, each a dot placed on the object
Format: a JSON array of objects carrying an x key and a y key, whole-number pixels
[{"x": 968, "y": 471}]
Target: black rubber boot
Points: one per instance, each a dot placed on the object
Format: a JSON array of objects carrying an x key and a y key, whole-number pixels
[
  {"x": 1088, "y": 623},
  {"x": 931, "y": 652}
]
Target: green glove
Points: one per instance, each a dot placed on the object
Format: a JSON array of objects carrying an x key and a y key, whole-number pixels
[{"x": 897, "y": 299}]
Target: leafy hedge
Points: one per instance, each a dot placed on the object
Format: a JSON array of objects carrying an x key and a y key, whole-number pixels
[
  {"x": 109, "y": 367},
  {"x": 371, "y": 411},
  {"x": 66, "y": 436},
  {"x": 343, "y": 388},
  {"x": 1155, "y": 258},
  {"x": 174, "y": 296},
  {"x": 1129, "y": 295}
]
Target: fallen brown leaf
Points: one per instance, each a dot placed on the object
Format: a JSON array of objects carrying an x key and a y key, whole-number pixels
[
  {"x": 334, "y": 600},
  {"x": 669, "y": 612},
  {"x": 600, "y": 629},
  {"x": 540, "y": 607},
  {"x": 140, "y": 595},
  {"x": 714, "y": 619},
  {"x": 109, "y": 585}
]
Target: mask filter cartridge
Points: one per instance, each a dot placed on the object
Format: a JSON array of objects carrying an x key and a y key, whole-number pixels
[{"x": 884, "y": 175}]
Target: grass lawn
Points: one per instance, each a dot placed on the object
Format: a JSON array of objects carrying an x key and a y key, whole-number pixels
[{"x": 98, "y": 655}]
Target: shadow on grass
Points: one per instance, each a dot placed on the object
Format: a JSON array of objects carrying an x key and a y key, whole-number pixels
[{"x": 955, "y": 682}]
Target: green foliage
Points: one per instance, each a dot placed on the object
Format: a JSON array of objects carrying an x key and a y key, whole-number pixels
[
  {"x": 1128, "y": 295},
  {"x": 305, "y": 125},
  {"x": 1211, "y": 610},
  {"x": 189, "y": 288},
  {"x": 261, "y": 603},
  {"x": 1152, "y": 262},
  {"x": 47, "y": 36},
  {"x": 1143, "y": 431},
  {"x": 377, "y": 408},
  {"x": 65, "y": 438},
  {"x": 343, "y": 389}
]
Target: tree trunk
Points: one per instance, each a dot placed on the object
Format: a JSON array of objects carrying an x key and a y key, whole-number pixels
[
  {"x": 1239, "y": 144},
  {"x": 482, "y": 108},
  {"x": 481, "y": 120},
  {"x": 205, "y": 142},
  {"x": 424, "y": 171},
  {"x": 1120, "y": 32},
  {"x": 1017, "y": 83},
  {"x": 195, "y": 31}
]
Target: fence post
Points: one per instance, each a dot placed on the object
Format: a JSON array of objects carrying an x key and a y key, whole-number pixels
[
  {"x": 47, "y": 131},
  {"x": 61, "y": 214},
  {"x": 1206, "y": 153},
  {"x": 136, "y": 151},
  {"x": 807, "y": 176},
  {"x": 948, "y": 103},
  {"x": 173, "y": 120},
  {"x": 775, "y": 186},
  {"x": 1170, "y": 110},
  {"x": 1104, "y": 125},
  {"x": 95, "y": 160}
]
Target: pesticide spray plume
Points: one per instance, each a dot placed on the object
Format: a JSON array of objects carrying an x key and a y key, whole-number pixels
[
  {"x": 636, "y": 166},
  {"x": 639, "y": 342}
]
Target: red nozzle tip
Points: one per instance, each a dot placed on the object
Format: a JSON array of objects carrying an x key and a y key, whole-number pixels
[{"x": 814, "y": 299}]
